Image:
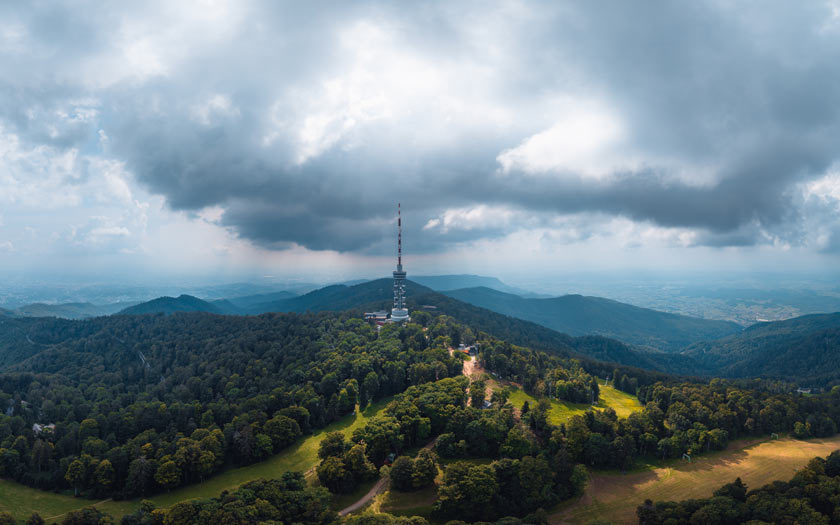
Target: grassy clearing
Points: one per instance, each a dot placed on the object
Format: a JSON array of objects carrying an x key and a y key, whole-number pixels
[
  {"x": 417, "y": 503},
  {"x": 624, "y": 404},
  {"x": 22, "y": 501},
  {"x": 614, "y": 497}
]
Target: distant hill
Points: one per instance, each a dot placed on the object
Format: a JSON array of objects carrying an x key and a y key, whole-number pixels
[
  {"x": 442, "y": 283},
  {"x": 249, "y": 301},
  {"x": 70, "y": 310},
  {"x": 169, "y": 305},
  {"x": 805, "y": 349},
  {"x": 580, "y": 315}
]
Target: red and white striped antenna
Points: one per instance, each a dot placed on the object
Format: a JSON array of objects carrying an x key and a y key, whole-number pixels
[{"x": 399, "y": 237}]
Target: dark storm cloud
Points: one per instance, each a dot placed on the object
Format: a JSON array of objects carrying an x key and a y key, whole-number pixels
[{"x": 279, "y": 126}]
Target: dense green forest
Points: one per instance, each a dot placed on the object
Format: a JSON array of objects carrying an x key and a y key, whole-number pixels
[
  {"x": 129, "y": 405},
  {"x": 678, "y": 417},
  {"x": 812, "y": 496}
]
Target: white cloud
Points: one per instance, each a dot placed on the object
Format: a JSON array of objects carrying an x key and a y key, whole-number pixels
[
  {"x": 471, "y": 218},
  {"x": 474, "y": 112},
  {"x": 582, "y": 141},
  {"x": 826, "y": 188},
  {"x": 213, "y": 108},
  {"x": 110, "y": 231}
]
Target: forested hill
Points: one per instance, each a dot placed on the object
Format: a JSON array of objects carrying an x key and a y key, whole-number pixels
[
  {"x": 373, "y": 295},
  {"x": 143, "y": 403},
  {"x": 169, "y": 305},
  {"x": 804, "y": 349},
  {"x": 580, "y": 315}
]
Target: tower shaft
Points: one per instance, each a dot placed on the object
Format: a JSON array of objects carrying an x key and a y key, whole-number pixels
[{"x": 400, "y": 312}]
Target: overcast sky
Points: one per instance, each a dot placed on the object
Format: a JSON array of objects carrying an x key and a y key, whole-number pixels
[{"x": 248, "y": 138}]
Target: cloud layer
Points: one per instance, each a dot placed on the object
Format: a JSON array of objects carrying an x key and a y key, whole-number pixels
[{"x": 303, "y": 124}]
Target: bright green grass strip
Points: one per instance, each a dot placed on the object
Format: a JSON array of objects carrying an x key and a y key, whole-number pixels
[
  {"x": 624, "y": 404},
  {"x": 22, "y": 501}
]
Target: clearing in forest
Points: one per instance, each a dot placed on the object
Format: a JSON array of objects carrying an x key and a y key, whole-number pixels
[
  {"x": 624, "y": 404},
  {"x": 613, "y": 497}
]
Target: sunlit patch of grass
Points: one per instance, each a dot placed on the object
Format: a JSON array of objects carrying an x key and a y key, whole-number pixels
[
  {"x": 613, "y": 496},
  {"x": 624, "y": 404}
]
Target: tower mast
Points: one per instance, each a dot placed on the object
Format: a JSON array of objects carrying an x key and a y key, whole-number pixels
[
  {"x": 399, "y": 313},
  {"x": 399, "y": 237}
]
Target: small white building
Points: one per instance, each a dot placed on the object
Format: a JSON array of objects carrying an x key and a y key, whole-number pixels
[{"x": 37, "y": 428}]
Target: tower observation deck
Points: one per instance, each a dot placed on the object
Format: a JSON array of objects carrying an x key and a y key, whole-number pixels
[{"x": 400, "y": 312}]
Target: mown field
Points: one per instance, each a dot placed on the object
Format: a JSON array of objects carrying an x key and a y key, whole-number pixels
[
  {"x": 21, "y": 501},
  {"x": 624, "y": 404},
  {"x": 613, "y": 497},
  {"x": 418, "y": 503}
]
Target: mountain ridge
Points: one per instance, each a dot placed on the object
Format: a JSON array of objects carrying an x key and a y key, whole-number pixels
[
  {"x": 580, "y": 315},
  {"x": 443, "y": 283},
  {"x": 805, "y": 348}
]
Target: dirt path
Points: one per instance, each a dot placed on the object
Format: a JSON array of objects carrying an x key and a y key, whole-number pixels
[
  {"x": 378, "y": 487},
  {"x": 469, "y": 367}
]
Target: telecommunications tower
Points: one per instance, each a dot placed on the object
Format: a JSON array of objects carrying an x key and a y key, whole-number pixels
[{"x": 399, "y": 313}]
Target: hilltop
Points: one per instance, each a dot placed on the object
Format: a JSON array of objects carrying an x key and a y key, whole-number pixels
[{"x": 169, "y": 305}]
